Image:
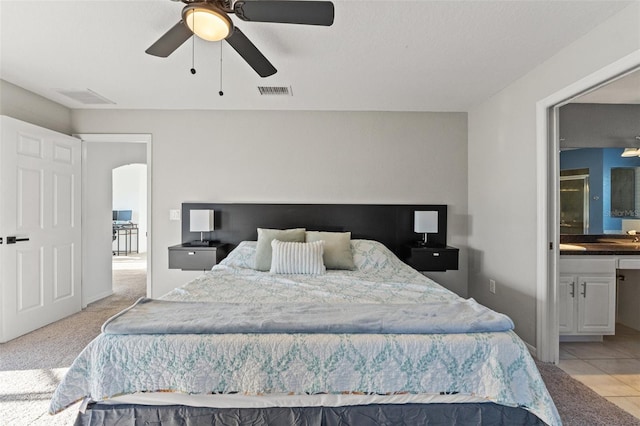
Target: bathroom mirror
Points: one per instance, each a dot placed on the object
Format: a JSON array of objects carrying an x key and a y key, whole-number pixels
[
  {"x": 598, "y": 191},
  {"x": 624, "y": 198}
]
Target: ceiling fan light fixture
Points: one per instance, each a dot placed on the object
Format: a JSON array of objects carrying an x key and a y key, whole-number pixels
[{"x": 207, "y": 21}]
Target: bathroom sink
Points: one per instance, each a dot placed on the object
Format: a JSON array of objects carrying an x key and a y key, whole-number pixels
[{"x": 571, "y": 247}]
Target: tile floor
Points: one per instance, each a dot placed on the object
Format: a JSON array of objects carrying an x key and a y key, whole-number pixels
[{"x": 611, "y": 368}]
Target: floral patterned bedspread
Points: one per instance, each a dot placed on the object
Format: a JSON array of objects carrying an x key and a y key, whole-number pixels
[{"x": 493, "y": 365}]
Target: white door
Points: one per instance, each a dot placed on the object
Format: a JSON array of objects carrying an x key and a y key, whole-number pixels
[{"x": 40, "y": 272}]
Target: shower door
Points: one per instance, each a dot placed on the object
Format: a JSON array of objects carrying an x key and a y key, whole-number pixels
[{"x": 574, "y": 204}]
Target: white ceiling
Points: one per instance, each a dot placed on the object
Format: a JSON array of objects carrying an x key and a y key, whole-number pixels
[{"x": 379, "y": 55}]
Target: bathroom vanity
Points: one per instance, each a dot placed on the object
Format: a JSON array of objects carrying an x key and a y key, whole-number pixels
[{"x": 587, "y": 287}]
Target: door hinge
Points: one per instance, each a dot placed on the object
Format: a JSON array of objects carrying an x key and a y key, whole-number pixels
[{"x": 551, "y": 245}]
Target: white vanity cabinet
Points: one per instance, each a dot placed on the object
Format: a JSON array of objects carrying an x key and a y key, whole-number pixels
[{"x": 587, "y": 295}]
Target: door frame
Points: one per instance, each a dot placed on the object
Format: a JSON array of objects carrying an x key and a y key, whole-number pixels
[
  {"x": 146, "y": 139},
  {"x": 548, "y": 226}
]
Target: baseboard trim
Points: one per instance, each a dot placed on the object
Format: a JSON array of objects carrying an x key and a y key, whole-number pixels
[
  {"x": 96, "y": 298},
  {"x": 581, "y": 338}
]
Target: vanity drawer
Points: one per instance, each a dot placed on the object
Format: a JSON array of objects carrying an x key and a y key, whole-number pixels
[
  {"x": 629, "y": 263},
  {"x": 588, "y": 264}
]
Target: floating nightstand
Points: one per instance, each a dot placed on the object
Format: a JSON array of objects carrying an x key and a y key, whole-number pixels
[
  {"x": 196, "y": 258},
  {"x": 425, "y": 258}
]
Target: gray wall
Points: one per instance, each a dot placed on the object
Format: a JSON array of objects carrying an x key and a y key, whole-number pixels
[
  {"x": 297, "y": 157},
  {"x": 24, "y": 105},
  {"x": 503, "y": 173}
]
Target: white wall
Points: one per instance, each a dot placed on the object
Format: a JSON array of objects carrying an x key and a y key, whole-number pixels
[
  {"x": 24, "y": 105},
  {"x": 297, "y": 157},
  {"x": 502, "y": 170},
  {"x": 100, "y": 158},
  {"x": 130, "y": 193}
]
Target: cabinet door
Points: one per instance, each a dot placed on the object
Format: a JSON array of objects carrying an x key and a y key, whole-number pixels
[
  {"x": 566, "y": 306},
  {"x": 596, "y": 304}
]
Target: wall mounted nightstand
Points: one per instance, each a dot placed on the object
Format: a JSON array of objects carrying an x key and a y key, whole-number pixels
[
  {"x": 425, "y": 258},
  {"x": 196, "y": 258}
]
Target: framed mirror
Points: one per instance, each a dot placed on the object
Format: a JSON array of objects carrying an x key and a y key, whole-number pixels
[{"x": 624, "y": 196}]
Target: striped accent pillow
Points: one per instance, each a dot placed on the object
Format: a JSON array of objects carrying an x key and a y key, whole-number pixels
[{"x": 297, "y": 258}]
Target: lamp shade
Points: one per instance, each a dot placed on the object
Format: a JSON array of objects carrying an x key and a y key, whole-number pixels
[
  {"x": 425, "y": 221},
  {"x": 201, "y": 220}
]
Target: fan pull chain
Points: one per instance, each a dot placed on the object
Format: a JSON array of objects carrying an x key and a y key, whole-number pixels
[
  {"x": 220, "y": 92},
  {"x": 193, "y": 44}
]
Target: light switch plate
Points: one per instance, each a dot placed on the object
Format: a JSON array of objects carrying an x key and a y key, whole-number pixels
[{"x": 174, "y": 214}]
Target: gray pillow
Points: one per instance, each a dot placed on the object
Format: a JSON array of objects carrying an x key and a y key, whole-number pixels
[
  {"x": 263, "y": 247},
  {"x": 337, "y": 248}
]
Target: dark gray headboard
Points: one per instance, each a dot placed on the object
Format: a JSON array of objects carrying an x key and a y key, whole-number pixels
[{"x": 390, "y": 224}]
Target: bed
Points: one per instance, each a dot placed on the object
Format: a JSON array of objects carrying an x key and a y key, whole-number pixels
[{"x": 341, "y": 346}]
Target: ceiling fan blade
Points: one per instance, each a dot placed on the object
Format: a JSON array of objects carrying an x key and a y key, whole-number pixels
[
  {"x": 287, "y": 12},
  {"x": 250, "y": 53},
  {"x": 170, "y": 41}
]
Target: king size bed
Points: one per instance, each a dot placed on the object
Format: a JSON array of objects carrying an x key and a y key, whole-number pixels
[{"x": 310, "y": 328}]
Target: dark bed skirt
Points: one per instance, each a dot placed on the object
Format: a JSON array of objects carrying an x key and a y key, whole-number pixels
[{"x": 360, "y": 415}]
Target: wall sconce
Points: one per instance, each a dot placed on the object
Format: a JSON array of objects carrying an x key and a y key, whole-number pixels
[
  {"x": 425, "y": 222},
  {"x": 201, "y": 221}
]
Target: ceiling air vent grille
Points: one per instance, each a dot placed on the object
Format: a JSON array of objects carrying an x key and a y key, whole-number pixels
[
  {"x": 275, "y": 90},
  {"x": 86, "y": 97}
]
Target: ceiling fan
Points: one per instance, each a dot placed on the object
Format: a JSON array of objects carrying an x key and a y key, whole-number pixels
[{"x": 209, "y": 20}]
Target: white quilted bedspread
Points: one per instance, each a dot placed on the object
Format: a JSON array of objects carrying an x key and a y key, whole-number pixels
[{"x": 492, "y": 365}]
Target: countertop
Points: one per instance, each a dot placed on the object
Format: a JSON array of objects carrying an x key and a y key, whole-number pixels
[{"x": 599, "y": 245}]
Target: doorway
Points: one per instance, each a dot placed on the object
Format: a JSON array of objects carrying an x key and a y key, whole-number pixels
[
  {"x": 548, "y": 148},
  {"x": 129, "y": 215},
  {"x": 102, "y": 153}
]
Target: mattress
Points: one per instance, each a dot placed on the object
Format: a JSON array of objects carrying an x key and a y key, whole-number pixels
[{"x": 263, "y": 369}]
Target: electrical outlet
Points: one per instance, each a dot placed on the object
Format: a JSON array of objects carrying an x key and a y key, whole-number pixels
[
  {"x": 492, "y": 286},
  {"x": 174, "y": 214}
]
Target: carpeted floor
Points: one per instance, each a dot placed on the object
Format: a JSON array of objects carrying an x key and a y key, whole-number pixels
[
  {"x": 580, "y": 406},
  {"x": 31, "y": 366}
]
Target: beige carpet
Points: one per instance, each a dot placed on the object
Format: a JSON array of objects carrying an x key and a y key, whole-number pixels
[{"x": 31, "y": 366}]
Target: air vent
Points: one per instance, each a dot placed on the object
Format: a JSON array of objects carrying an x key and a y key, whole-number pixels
[
  {"x": 275, "y": 90},
  {"x": 86, "y": 97}
]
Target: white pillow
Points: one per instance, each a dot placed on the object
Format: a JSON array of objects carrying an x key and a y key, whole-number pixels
[{"x": 297, "y": 258}]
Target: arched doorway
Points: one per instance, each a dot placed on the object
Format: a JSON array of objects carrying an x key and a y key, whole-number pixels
[{"x": 129, "y": 226}]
